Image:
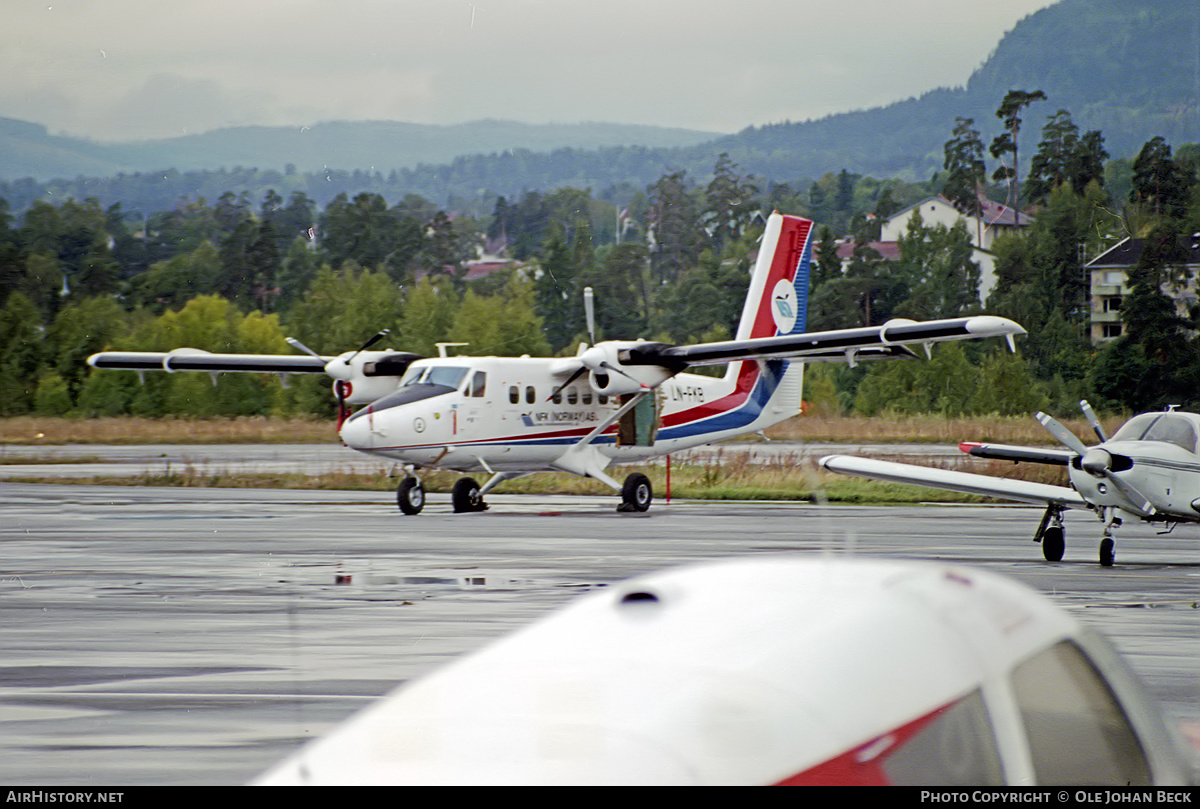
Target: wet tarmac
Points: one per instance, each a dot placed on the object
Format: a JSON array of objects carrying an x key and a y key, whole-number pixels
[{"x": 197, "y": 636}]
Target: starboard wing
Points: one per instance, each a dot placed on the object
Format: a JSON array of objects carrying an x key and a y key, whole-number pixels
[{"x": 1021, "y": 491}]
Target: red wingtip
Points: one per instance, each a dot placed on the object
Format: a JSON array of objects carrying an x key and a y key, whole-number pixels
[{"x": 967, "y": 446}]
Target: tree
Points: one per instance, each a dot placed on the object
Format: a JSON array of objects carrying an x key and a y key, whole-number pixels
[
  {"x": 1006, "y": 143},
  {"x": 729, "y": 203},
  {"x": 1159, "y": 182},
  {"x": 1065, "y": 158},
  {"x": 965, "y": 168}
]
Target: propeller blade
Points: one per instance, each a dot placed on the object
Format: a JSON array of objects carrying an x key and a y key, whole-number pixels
[
  {"x": 578, "y": 373},
  {"x": 1061, "y": 433},
  {"x": 294, "y": 343},
  {"x": 616, "y": 370},
  {"x": 379, "y": 335},
  {"x": 1090, "y": 415},
  {"x": 589, "y": 309},
  {"x": 1132, "y": 494}
]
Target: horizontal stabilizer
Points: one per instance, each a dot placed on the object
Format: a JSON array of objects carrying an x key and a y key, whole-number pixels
[
  {"x": 1004, "y": 452},
  {"x": 1021, "y": 491}
]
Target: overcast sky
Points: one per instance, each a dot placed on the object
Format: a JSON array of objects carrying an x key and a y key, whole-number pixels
[{"x": 125, "y": 69}]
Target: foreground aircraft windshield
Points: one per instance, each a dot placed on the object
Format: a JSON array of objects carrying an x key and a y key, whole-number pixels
[{"x": 614, "y": 402}]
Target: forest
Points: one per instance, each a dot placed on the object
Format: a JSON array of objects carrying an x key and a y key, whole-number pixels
[{"x": 667, "y": 262}]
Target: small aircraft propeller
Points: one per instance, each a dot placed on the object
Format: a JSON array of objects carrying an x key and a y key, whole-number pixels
[{"x": 1096, "y": 461}]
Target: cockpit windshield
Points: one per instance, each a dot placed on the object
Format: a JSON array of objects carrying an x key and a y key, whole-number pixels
[
  {"x": 451, "y": 376},
  {"x": 419, "y": 383},
  {"x": 1169, "y": 427}
]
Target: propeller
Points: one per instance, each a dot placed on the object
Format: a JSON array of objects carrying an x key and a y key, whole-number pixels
[{"x": 1096, "y": 461}]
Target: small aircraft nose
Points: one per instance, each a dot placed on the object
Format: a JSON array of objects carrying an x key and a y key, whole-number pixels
[{"x": 356, "y": 433}]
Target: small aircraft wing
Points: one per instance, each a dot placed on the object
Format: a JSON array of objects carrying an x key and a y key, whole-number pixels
[
  {"x": 889, "y": 340},
  {"x": 1004, "y": 452},
  {"x": 193, "y": 359},
  {"x": 1021, "y": 491}
]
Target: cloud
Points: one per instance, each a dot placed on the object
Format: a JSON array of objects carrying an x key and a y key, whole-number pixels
[{"x": 144, "y": 68}]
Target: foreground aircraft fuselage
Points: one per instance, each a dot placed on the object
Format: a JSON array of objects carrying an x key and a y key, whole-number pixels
[
  {"x": 1149, "y": 470},
  {"x": 616, "y": 401},
  {"x": 770, "y": 670}
]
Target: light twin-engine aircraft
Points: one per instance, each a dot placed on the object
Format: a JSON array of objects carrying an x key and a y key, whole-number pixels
[
  {"x": 616, "y": 401},
  {"x": 1149, "y": 470}
]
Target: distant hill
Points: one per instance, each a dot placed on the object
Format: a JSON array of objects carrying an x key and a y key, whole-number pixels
[
  {"x": 28, "y": 150},
  {"x": 1130, "y": 68}
]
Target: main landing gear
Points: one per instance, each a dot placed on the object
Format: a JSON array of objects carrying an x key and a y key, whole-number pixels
[
  {"x": 467, "y": 494},
  {"x": 636, "y": 493},
  {"x": 1050, "y": 534}
]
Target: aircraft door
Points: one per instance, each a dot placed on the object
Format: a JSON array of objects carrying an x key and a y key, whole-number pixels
[
  {"x": 639, "y": 426},
  {"x": 474, "y": 405}
]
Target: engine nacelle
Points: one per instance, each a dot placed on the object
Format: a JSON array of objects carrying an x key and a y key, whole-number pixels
[
  {"x": 363, "y": 377},
  {"x": 617, "y": 369}
]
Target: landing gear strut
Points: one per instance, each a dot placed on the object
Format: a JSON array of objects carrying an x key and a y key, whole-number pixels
[
  {"x": 1107, "y": 556},
  {"x": 636, "y": 493},
  {"x": 410, "y": 495}
]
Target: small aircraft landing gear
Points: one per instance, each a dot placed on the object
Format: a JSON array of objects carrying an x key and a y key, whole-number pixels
[
  {"x": 636, "y": 493},
  {"x": 1106, "y": 552},
  {"x": 410, "y": 495},
  {"x": 465, "y": 496},
  {"x": 1050, "y": 534},
  {"x": 1107, "y": 556}
]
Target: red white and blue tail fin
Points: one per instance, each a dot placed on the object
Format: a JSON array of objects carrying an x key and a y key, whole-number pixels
[{"x": 777, "y": 300}]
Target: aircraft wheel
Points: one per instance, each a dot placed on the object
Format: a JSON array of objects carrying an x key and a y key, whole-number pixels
[
  {"x": 636, "y": 493},
  {"x": 410, "y": 496},
  {"x": 1053, "y": 543},
  {"x": 465, "y": 496},
  {"x": 1106, "y": 552}
]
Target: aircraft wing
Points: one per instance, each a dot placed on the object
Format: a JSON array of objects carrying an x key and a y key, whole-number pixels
[
  {"x": 1022, "y": 491},
  {"x": 192, "y": 359},
  {"x": 1004, "y": 452},
  {"x": 842, "y": 345}
]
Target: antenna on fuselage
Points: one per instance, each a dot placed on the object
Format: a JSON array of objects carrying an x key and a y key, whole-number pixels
[{"x": 441, "y": 347}]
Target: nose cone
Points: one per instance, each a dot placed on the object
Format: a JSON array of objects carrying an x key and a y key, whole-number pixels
[
  {"x": 1096, "y": 462},
  {"x": 356, "y": 432}
]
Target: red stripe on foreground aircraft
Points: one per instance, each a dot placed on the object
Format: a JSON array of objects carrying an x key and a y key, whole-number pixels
[
  {"x": 1148, "y": 470},
  {"x": 771, "y": 670},
  {"x": 614, "y": 402}
]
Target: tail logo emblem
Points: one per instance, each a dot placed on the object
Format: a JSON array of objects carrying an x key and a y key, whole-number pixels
[{"x": 783, "y": 310}]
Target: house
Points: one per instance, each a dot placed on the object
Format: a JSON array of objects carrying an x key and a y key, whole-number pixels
[
  {"x": 984, "y": 229},
  {"x": 1109, "y": 284}
]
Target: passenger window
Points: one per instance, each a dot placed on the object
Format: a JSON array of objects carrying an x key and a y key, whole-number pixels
[
  {"x": 572, "y": 396},
  {"x": 530, "y": 395},
  {"x": 514, "y": 394},
  {"x": 478, "y": 384},
  {"x": 556, "y": 396},
  {"x": 1077, "y": 732},
  {"x": 587, "y": 397}
]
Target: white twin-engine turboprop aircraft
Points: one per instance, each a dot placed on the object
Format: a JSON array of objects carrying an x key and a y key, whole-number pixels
[{"x": 616, "y": 401}]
